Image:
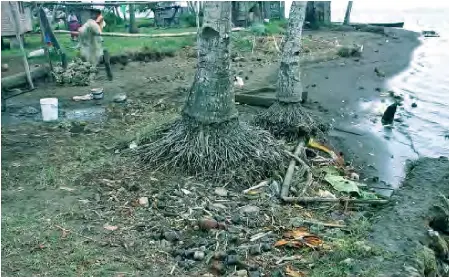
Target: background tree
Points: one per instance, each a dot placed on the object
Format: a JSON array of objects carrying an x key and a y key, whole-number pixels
[
  {"x": 132, "y": 19},
  {"x": 318, "y": 13},
  {"x": 348, "y": 13},
  {"x": 286, "y": 117},
  {"x": 209, "y": 140}
]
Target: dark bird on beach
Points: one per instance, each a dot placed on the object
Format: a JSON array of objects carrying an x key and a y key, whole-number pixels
[{"x": 388, "y": 115}]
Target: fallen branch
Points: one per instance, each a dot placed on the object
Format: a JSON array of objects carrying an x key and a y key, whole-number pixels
[
  {"x": 306, "y": 200},
  {"x": 290, "y": 258},
  {"x": 309, "y": 179},
  {"x": 290, "y": 171},
  {"x": 259, "y": 236},
  {"x": 261, "y": 184},
  {"x": 333, "y": 225}
]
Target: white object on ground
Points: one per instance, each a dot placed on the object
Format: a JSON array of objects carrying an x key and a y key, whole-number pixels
[
  {"x": 49, "y": 108},
  {"x": 133, "y": 145},
  {"x": 86, "y": 97},
  {"x": 238, "y": 81},
  {"x": 36, "y": 53}
]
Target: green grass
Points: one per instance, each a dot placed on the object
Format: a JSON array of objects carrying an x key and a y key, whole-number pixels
[{"x": 115, "y": 45}]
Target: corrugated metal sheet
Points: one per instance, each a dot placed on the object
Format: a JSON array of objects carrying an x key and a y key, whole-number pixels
[{"x": 8, "y": 23}]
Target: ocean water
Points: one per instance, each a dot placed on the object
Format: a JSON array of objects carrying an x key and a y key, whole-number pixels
[{"x": 426, "y": 80}]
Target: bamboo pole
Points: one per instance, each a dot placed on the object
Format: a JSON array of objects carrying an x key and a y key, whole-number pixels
[
  {"x": 16, "y": 18},
  {"x": 112, "y": 34}
]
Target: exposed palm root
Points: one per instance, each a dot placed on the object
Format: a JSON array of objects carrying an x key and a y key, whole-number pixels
[
  {"x": 290, "y": 121},
  {"x": 230, "y": 151}
]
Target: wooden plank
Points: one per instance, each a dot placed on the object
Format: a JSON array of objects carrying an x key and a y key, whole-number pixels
[
  {"x": 20, "y": 79},
  {"x": 16, "y": 18}
]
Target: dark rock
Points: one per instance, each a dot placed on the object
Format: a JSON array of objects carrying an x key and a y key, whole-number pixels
[
  {"x": 313, "y": 85},
  {"x": 414, "y": 105},
  {"x": 388, "y": 115},
  {"x": 326, "y": 77},
  {"x": 236, "y": 219},
  {"x": 378, "y": 89},
  {"x": 255, "y": 249},
  {"x": 265, "y": 247},
  {"x": 232, "y": 260}
]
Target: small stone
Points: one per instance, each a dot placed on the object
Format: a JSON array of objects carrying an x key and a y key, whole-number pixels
[
  {"x": 250, "y": 209},
  {"x": 207, "y": 224},
  {"x": 347, "y": 261},
  {"x": 414, "y": 105},
  {"x": 165, "y": 245},
  {"x": 236, "y": 219},
  {"x": 171, "y": 236},
  {"x": 221, "y": 192},
  {"x": 254, "y": 273},
  {"x": 220, "y": 255},
  {"x": 143, "y": 201},
  {"x": 218, "y": 267},
  {"x": 120, "y": 98},
  {"x": 198, "y": 255},
  {"x": 241, "y": 273}
]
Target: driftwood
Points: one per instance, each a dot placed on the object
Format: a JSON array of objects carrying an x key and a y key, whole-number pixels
[
  {"x": 306, "y": 168},
  {"x": 288, "y": 176},
  {"x": 254, "y": 100},
  {"x": 307, "y": 200},
  {"x": 112, "y": 34},
  {"x": 20, "y": 79}
]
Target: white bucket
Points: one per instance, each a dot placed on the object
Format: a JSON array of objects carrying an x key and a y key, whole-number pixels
[{"x": 49, "y": 107}]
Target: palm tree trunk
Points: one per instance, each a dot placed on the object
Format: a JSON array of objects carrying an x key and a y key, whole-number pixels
[
  {"x": 348, "y": 13},
  {"x": 289, "y": 78},
  {"x": 286, "y": 117},
  {"x": 211, "y": 98},
  {"x": 132, "y": 19}
]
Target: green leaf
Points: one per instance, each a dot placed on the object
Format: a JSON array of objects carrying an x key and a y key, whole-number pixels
[{"x": 341, "y": 184}]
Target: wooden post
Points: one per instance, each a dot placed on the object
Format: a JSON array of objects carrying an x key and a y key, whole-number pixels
[
  {"x": 107, "y": 64},
  {"x": 47, "y": 30},
  {"x": 16, "y": 18},
  {"x": 46, "y": 51}
]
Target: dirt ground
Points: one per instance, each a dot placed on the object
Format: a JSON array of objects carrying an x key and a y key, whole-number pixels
[{"x": 71, "y": 201}]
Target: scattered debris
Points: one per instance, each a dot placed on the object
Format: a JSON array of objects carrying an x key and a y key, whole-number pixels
[
  {"x": 430, "y": 34},
  {"x": 299, "y": 237},
  {"x": 249, "y": 209},
  {"x": 326, "y": 194},
  {"x": 110, "y": 227},
  {"x": 78, "y": 73},
  {"x": 133, "y": 145},
  {"x": 289, "y": 271},
  {"x": 379, "y": 73},
  {"x": 414, "y": 105}
]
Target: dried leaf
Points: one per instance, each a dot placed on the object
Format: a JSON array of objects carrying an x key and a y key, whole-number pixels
[
  {"x": 312, "y": 241},
  {"x": 298, "y": 233},
  {"x": 293, "y": 273},
  {"x": 281, "y": 242},
  {"x": 110, "y": 227},
  {"x": 289, "y": 243}
]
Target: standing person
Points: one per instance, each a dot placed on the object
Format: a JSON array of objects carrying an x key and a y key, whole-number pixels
[{"x": 74, "y": 25}]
